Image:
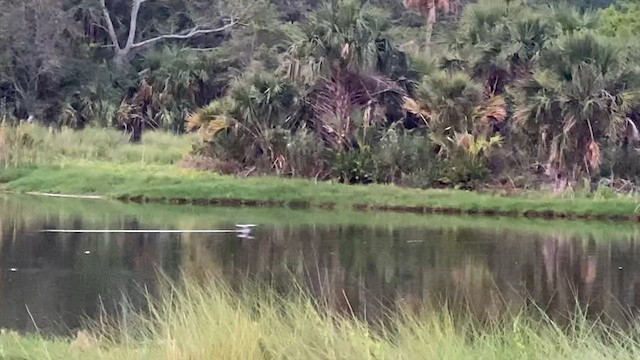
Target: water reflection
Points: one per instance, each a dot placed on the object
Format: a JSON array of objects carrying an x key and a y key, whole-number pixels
[{"x": 49, "y": 280}]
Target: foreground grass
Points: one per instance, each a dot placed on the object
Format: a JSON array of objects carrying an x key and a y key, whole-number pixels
[
  {"x": 209, "y": 321},
  {"x": 171, "y": 183}
]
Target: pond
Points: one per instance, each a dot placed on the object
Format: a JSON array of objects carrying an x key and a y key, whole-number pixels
[{"x": 364, "y": 263}]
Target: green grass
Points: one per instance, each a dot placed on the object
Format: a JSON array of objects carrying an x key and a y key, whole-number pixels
[
  {"x": 33, "y": 145},
  {"x": 209, "y": 321},
  {"x": 102, "y": 162},
  {"x": 166, "y": 182}
]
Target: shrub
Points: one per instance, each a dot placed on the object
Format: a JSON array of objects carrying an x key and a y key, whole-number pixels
[
  {"x": 464, "y": 172},
  {"x": 622, "y": 162},
  {"x": 402, "y": 153},
  {"x": 306, "y": 155},
  {"x": 354, "y": 167}
]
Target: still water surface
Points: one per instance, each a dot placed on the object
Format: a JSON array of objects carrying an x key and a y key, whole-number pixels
[{"x": 365, "y": 262}]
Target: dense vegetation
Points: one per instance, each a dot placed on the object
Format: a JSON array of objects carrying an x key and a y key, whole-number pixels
[{"x": 420, "y": 93}]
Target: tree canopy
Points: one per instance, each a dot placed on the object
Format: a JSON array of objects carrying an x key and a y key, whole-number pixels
[{"x": 347, "y": 85}]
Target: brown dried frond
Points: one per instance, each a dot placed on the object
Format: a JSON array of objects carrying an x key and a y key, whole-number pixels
[
  {"x": 217, "y": 125},
  {"x": 194, "y": 121},
  {"x": 569, "y": 123},
  {"x": 556, "y": 152},
  {"x": 144, "y": 94},
  {"x": 125, "y": 112},
  {"x": 412, "y": 106},
  {"x": 346, "y": 51},
  {"x": 210, "y": 124},
  {"x": 495, "y": 110},
  {"x": 631, "y": 131},
  {"x": 593, "y": 155}
]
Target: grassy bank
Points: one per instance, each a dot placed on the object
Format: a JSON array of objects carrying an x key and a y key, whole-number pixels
[
  {"x": 211, "y": 322},
  {"x": 169, "y": 183},
  {"x": 102, "y": 162}
]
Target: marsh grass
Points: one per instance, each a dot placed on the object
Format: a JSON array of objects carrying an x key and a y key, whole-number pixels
[
  {"x": 207, "y": 320},
  {"x": 33, "y": 145}
]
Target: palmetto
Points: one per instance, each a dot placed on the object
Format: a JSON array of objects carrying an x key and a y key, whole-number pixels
[{"x": 578, "y": 100}]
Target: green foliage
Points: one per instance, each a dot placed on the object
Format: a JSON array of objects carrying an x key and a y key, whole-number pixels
[
  {"x": 249, "y": 125},
  {"x": 306, "y": 155},
  {"x": 406, "y": 157},
  {"x": 579, "y": 100},
  {"x": 354, "y": 167},
  {"x": 311, "y": 88},
  {"x": 621, "y": 19},
  {"x": 449, "y": 99},
  {"x": 464, "y": 172}
]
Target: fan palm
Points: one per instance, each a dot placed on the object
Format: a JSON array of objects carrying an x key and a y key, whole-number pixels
[
  {"x": 340, "y": 37},
  {"x": 347, "y": 66},
  {"x": 498, "y": 41},
  {"x": 577, "y": 101},
  {"x": 446, "y": 100},
  {"x": 452, "y": 102},
  {"x": 569, "y": 18},
  {"x": 257, "y": 110}
]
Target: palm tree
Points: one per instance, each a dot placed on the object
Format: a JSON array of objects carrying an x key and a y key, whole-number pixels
[
  {"x": 446, "y": 100},
  {"x": 347, "y": 65},
  {"x": 452, "y": 102},
  {"x": 461, "y": 119},
  {"x": 250, "y": 121},
  {"x": 577, "y": 101},
  {"x": 497, "y": 42}
]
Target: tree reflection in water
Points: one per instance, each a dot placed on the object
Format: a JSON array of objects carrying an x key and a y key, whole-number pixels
[{"x": 362, "y": 269}]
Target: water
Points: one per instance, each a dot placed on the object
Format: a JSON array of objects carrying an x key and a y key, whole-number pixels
[{"x": 360, "y": 262}]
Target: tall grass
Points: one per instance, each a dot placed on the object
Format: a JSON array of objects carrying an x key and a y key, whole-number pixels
[
  {"x": 196, "y": 321},
  {"x": 30, "y": 144}
]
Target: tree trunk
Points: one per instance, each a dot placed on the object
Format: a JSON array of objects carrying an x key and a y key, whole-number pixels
[
  {"x": 427, "y": 44},
  {"x": 431, "y": 20},
  {"x": 122, "y": 57},
  {"x": 136, "y": 131}
]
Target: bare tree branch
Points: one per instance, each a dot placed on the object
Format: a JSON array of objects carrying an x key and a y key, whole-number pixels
[
  {"x": 133, "y": 23},
  {"x": 123, "y": 52},
  {"x": 110, "y": 29},
  {"x": 185, "y": 35}
]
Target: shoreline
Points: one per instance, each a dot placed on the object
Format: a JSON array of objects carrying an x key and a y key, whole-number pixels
[{"x": 169, "y": 184}]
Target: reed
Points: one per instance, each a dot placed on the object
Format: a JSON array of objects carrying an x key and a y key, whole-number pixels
[{"x": 207, "y": 320}]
